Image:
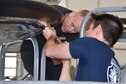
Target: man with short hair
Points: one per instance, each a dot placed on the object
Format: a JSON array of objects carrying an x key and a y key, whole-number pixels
[
  {"x": 67, "y": 29},
  {"x": 97, "y": 60}
]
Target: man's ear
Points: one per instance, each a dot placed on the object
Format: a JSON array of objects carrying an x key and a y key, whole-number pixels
[{"x": 99, "y": 30}]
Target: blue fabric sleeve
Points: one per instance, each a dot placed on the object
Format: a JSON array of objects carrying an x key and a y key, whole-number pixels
[{"x": 81, "y": 47}]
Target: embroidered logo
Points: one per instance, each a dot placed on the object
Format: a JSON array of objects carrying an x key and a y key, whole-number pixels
[{"x": 113, "y": 72}]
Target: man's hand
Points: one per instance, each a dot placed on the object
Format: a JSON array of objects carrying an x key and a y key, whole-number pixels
[
  {"x": 56, "y": 61},
  {"x": 48, "y": 31}
]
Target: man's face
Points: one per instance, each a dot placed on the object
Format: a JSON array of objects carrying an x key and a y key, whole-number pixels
[{"x": 72, "y": 23}]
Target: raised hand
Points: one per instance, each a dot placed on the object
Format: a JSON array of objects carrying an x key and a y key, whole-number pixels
[{"x": 48, "y": 31}]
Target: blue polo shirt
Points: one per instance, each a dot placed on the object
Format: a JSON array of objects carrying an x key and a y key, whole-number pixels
[{"x": 96, "y": 61}]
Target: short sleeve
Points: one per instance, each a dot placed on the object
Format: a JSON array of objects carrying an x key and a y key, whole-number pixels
[{"x": 81, "y": 48}]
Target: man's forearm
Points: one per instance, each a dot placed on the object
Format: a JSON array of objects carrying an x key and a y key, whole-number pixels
[
  {"x": 55, "y": 50},
  {"x": 49, "y": 44},
  {"x": 65, "y": 73}
]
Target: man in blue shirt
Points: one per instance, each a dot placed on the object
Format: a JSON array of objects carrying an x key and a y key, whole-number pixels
[{"x": 97, "y": 61}]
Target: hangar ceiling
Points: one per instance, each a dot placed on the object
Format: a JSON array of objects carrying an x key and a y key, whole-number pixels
[{"x": 51, "y": 2}]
